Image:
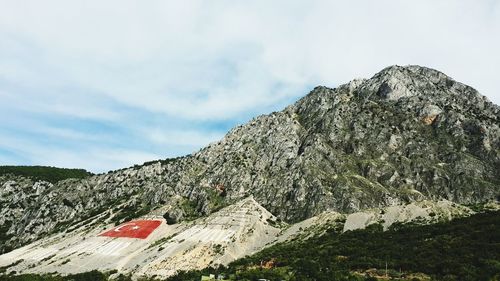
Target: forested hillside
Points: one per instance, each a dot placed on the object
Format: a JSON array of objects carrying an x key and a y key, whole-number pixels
[
  {"x": 462, "y": 249},
  {"x": 50, "y": 174}
]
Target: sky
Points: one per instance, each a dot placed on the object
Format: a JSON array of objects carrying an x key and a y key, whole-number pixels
[{"x": 103, "y": 85}]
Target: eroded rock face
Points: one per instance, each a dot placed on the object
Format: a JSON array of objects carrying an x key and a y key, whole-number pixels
[
  {"x": 222, "y": 237},
  {"x": 408, "y": 133},
  {"x": 233, "y": 232}
]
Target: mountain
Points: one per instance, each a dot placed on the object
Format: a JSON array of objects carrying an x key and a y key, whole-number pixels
[
  {"x": 462, "y": 249},
  {"x": 231, "y": 233},
  {"x": 407, "y": 134}
]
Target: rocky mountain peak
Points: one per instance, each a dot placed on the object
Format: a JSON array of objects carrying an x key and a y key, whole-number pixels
[{"x": 406, "y": 134}]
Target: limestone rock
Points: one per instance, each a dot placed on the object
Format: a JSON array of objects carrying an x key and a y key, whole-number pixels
[{"x": 408, "y": 133}]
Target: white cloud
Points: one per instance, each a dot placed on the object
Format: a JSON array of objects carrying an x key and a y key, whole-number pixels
[
  {"x": 96, "y": 159},
  {"x": 159, "y": 55}
]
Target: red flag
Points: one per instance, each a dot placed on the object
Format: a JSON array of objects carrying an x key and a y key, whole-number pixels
[{"x": 133, "y": 229}]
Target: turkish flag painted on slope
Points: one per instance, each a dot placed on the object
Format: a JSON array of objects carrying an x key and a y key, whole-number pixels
[{"x": 133, "y": 229}]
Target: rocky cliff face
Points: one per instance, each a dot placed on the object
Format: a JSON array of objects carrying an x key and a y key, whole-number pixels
[{"x": 407, "y": 134}]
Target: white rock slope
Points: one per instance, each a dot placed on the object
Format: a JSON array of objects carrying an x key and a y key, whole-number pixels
[{"x": 231, "y": 233}]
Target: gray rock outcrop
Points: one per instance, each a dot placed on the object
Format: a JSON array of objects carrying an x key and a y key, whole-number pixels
[{"x": 407, "y": 134}]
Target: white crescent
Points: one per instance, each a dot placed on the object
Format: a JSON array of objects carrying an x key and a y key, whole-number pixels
[{"x": 127, "y": 224}]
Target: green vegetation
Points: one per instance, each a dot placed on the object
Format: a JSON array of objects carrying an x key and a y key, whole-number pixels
[
  {"x": 162, "y": 161},
  {"x": 130, "y": 212},
  {"x": 3, "y": 234},
  {"x": 189, "y": 209},
  {"x": 216, "y": 200},
  {"x": 463, "y": 249},
  {"x": 85, "y": 276},
  {"x": 50, "y": 174},
  {"x": 161, "y": 241},
  {"x": 3, "y": 269}
]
